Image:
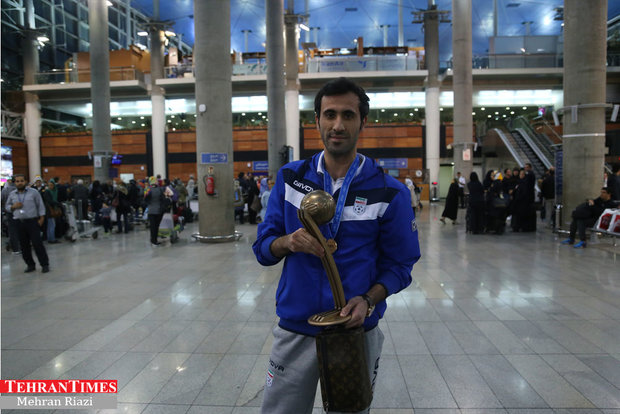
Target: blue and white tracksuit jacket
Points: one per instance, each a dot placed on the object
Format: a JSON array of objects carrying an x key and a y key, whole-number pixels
[{"x": 377, "y": 241}]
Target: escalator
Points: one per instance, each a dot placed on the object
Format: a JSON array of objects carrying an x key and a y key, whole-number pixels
[
  {"x": 519, "y": 147},
  {"x": 530, "y": 153}
]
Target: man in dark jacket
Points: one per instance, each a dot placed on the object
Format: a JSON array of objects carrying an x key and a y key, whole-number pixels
[
  {"x": 586, "y": 214},
  {"x": 155, "y": 199},
  {"x": 548, "y": 194},
  {"x": 613, "y": 183},
  {"x": 79, "y": 193}
]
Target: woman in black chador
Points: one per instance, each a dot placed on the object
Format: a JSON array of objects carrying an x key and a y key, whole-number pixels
[
  {"x": 475, "y": 209},
  {"x": 452, "y": 203},
  {"x": 522, "y": 207}
]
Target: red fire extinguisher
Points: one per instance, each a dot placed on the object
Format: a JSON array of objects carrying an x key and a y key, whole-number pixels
[{"x": 210, "y": 184}]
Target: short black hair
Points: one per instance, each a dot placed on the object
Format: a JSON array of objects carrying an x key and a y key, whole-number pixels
[
  {"x": 607, "y": 190},
  {"x": 342, "y": 86}
]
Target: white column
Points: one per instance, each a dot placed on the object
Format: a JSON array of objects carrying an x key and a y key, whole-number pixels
[
  {"x": 32, "y": 129},
  {"x": 158, "y": 129},
  {"x": 292, "y": 120},
  {"x": 432, "y": 133}
]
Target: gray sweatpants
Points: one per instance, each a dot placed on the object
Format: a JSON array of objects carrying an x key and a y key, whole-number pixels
[{"x": 293, "y": 371}]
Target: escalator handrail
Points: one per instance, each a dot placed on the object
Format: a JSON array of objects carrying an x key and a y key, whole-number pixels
[
  {"x": 544, "y": 147},
  {"x": 534, "y": 148},
  {"x": 509, "y": 146}
]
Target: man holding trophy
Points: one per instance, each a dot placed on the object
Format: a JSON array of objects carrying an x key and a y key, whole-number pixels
[{"x": 349, "y": 238}]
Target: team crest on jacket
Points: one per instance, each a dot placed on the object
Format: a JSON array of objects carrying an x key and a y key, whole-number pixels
[{"x": 360, "y": 205}]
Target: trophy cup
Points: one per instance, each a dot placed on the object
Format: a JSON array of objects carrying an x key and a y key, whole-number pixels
[
  {"x": 317, "y": 208},
  {"x": 341, "y": 353}
]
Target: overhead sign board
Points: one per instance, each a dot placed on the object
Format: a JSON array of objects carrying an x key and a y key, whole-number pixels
[
  {"x": 393, "y": 162},
  {"x": 260, "y": 166},
  {"x": 213, "y": 158}
]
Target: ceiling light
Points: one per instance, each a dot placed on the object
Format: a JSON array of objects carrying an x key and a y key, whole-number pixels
[
  {"x": 496, "y": 113},
  {"x": 383, "y": 110},
  {"x": 170, "y": 33},
  {"x": 143, "y": 124},
  {"x": 304, "y": 27},
  {"x": 43, "y": 38},
  {"x": 512, "y": 112},
  {"x": 441, "y": 109},
  {"x": 473, "y": 113},
  {"x": 525, "y": 107},
  {"x": 482, "y": 109},
  {"x": 133, "y": 122},
  {"x": 143, "y": 33},
  {"x": 119, "y": 118},
  {"x": 141, "y": 117},
  {"x": 109, "y": 3},
  {"x": 508, "y": 108},
  {"x": 410, "y": 113},
  {"x": 415, "y": 109},
  {"x": 488, "y": 116}
]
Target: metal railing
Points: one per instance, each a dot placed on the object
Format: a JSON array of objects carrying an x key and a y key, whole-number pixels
[
  {"x": 540, "y": 143},
  {"x": 511, "y": 145},
  {"x": 64, "y": 76}
]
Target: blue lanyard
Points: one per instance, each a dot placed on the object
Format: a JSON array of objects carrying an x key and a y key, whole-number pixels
[
  {"x": 342, "y": 198},
  {"x": 21, "y": 200}
]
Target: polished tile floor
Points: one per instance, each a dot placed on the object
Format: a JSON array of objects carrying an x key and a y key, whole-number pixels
[{"x": 494, "y": 324}]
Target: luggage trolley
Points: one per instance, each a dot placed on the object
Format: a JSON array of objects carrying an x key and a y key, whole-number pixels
[
  {"x": 79, "y": 227},
  {"x": 168, "y": 229}
]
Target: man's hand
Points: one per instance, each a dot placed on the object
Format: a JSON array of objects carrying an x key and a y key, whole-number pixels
[
  {"x": 299, "y": 241},
  {"x": 357, "y": 307},
  {"x": 41, "y": 220},
  {"x": 591, "y": 202},
  {"x": 17, "y": 205}
]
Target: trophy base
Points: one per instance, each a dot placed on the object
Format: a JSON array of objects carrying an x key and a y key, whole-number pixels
[{"x": 328, "y": 318}]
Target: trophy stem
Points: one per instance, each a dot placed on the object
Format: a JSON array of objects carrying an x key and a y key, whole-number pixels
[{"x": 327, "y": 260}]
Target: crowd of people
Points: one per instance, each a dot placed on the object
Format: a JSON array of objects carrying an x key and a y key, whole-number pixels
[
  {"x": 511, "y": 194},
  {"x": 516, "y": 195},
  {"x": 116, "y": 203}
]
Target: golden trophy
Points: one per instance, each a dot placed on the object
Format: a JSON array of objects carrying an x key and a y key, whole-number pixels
[{"x": 318, "y": 208}]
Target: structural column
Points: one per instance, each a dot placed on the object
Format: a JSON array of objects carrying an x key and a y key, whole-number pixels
[
  {"x": 432, "y": 121},
  {"x": 158, "y": 118},
  {"x": 100, "y": 87},
  {"x": 32, "y": 115},
  {"x": 276, "y": 132},
  {"x": 214, "y": 119},
  {"x": 585, "y": 31},
  {"x": 462, "y": 85},
  {"x": 292, "y": 81}
]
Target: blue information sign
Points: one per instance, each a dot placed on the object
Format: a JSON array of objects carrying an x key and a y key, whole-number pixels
[
  {"x": 391, "y": 163},
  {"x": 261, "y": 166},
  {"x": 559, "y": 174},
  {"x": 213, "y": 158}
]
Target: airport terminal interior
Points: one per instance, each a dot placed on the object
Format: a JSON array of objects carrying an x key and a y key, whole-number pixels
[{"x": 511, "y": 323}]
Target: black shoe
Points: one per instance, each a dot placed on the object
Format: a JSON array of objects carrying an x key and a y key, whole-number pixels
[
  {"x": 45, "y": 269},
  {"x": 29, "y": 269}
]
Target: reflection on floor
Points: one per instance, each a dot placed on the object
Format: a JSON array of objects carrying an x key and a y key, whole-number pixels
[{"x": 504, "y": 323}]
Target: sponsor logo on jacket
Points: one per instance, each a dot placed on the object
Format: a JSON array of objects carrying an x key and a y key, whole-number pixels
[{"x": 303, "y": 186}]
